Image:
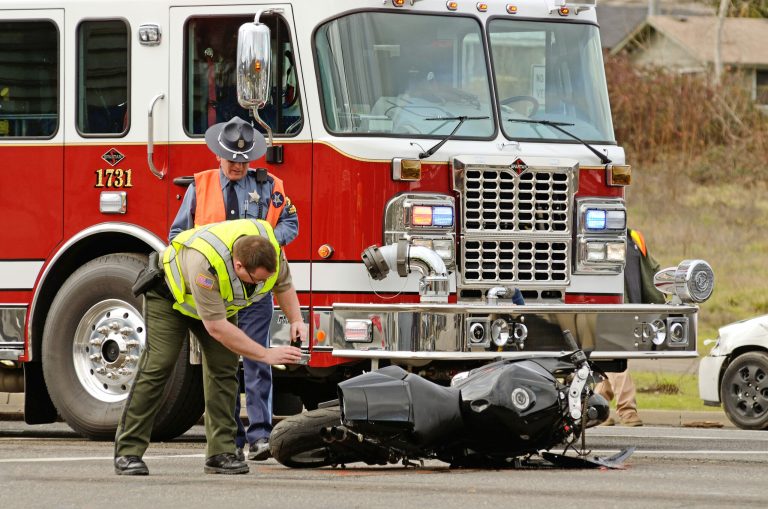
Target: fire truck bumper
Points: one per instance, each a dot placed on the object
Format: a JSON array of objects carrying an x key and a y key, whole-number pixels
[{"x": 419, "y": 333}]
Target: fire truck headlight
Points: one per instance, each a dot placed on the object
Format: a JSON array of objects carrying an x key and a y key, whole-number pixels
[
  {"x": 692, "y": 281},
  {"x": 595, "y": 251},
  {"x": 600, "y": 251},
  {"x": 442, "y": 216},
  {"x": 427, "y": 215},
  {"x": 597, "y": 220},
  {"x": 600, "y": 255},
  {"x": 601, "y": 227},
  {"x": 615, "y": 252},
  {"x": 602, "y": 216}
]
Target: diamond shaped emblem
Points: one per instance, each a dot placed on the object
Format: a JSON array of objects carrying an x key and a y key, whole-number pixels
[
  {"x": 518, "y": 166},
  {"x": 112, "y": 157}
]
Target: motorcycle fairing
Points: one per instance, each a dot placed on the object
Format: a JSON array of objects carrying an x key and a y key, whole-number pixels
[
  {"x": 524, "y": 423},
  {"x": 391, "y": 399}
]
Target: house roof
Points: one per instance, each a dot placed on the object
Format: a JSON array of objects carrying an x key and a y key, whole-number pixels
[
  {"x": 618, "y": 21},
  {"x": 743, "y": 39}
]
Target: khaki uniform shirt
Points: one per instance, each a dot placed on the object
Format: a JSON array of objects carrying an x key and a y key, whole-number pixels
[{"x": 204, "y": 285}]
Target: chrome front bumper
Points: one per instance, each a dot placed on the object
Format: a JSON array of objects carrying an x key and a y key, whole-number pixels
[{"x": 420, "y": 333}]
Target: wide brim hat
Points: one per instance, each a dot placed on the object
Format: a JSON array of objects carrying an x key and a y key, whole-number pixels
[{"x": 236, "y": 140}]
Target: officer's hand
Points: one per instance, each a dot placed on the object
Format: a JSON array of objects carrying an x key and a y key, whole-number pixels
[
  {"x": 299, "y": 329},
  {"x": 282, "y": 355}
]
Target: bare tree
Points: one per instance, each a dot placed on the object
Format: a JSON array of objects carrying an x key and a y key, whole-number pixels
[{"x": 721, "y": 13}]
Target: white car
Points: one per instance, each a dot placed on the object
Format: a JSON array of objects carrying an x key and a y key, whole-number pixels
[{"x": 735, "y": 373}]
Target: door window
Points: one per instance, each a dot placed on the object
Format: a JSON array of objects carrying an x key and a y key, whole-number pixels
[
  {"x": 102, "y": 78},
  {"x": 210, "y": 92},
  {"x": 29, "y": 79}
]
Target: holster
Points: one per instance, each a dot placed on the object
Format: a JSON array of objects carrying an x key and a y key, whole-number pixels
[{"x": 150, "y": 277}]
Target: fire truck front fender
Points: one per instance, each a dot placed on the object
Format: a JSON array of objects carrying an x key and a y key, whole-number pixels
[{"x": 86, "y": 245}]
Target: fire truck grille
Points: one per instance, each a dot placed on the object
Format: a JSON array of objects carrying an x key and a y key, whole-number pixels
[
  {"x": 501, "y": 201},
  {"x": 509, "y": 261},
  {"x": 516, "y": 228}
]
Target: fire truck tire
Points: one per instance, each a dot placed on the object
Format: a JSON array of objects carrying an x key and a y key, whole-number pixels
[
  {"x": 296, "y": 442},
  {"x": 93, "y": 336}
]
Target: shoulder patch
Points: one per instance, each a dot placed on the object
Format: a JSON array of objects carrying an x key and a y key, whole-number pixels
[
  {"x": 277, "y": 199},
  {"x": 204, "y": 281}
]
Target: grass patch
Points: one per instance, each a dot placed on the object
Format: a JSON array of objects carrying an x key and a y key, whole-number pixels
[{"x": 667, "y": 391}]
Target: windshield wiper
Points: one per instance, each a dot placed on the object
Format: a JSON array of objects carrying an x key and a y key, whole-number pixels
[
  {"x": 461, "y": 119},
  {"x": 556, "y": 125}
]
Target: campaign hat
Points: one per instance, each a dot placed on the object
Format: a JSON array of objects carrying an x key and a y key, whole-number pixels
[{"x": 236, "y": 140}]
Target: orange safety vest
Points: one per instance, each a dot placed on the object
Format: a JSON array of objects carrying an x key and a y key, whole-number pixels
[
  {"x": 210, "y": 199},
  {"x": 640, "y": 241}
]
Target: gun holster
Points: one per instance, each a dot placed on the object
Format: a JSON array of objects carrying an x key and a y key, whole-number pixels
[{"x": 149, "y": 277}]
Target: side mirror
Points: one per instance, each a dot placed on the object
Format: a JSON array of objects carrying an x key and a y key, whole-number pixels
[
  {"x": 253, "y": 65},
  {"x": 254, "y": 61}
]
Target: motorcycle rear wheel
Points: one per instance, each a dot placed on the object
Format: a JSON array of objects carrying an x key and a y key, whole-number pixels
[{"x": 296, "y": 442}]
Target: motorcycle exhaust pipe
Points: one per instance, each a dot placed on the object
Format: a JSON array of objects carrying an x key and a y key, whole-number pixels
[
  {"x": 333, "y": 434},
  {"x": 339, "y": 434}
]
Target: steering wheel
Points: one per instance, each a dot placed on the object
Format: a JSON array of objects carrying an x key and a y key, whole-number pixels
[
  {"x": 290, "y": 94},
  {"x": 522, "y": 98}
]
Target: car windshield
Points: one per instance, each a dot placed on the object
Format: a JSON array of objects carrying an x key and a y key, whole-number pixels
[
  {"x": 550, "y": 71},
  {"x": 409, "y": 75}
]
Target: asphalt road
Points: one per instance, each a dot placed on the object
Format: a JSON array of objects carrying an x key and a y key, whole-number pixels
[{"x": 51, "y": 467}]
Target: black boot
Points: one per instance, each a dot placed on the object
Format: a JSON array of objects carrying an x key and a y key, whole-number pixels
[
  {"x": 225, "y": 463},
  {"x": 130, "y": 465}
]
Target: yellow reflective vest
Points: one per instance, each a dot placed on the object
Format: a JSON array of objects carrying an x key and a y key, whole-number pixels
[{"x": 215, "y": 242}]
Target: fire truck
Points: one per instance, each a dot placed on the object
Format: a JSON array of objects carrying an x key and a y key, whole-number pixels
[{"x": 446, "y": 160}]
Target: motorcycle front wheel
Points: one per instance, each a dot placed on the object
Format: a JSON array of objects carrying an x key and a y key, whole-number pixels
[{"x": 296, "y": 442}]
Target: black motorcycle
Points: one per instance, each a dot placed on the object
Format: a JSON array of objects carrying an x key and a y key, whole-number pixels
[{"x": 504, "y": 414}]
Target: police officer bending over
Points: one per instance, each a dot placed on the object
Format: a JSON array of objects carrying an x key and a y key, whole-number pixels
[{"x": 211, "y": 272}]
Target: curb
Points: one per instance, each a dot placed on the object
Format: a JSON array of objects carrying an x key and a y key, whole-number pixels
[{"x": 685, "y": 418}]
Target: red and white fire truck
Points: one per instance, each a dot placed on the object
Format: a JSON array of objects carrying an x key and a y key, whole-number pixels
[{"x": 441, "y": 156}]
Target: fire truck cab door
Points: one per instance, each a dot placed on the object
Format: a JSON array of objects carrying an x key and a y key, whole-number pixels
[{"x": 114, "y": 75}]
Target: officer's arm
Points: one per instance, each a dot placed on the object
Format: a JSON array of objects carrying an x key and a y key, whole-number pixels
[
  {"x": 185, "y": 217},
  {"x": 236, "y": 340},
  {"x": 287, "y": 227}
]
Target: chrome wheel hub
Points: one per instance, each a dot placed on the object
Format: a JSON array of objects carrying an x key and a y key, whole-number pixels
[{"x": 106, "y": 349}]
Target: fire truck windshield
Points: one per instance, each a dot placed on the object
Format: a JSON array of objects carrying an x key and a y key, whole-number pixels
[
  {"x": 391, "y": 73},
  {"x": 550, "y": 71}
]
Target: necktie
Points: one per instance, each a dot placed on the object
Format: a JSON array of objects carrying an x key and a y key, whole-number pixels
[
  {"x": 233, "y": 207},
  {"x": 211, "y": 92}
]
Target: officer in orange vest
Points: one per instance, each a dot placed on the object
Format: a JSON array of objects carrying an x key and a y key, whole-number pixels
[{"x": 235, "y": 191}]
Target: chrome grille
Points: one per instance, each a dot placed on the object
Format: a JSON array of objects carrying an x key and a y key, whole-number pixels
[
  {"x": 501, "y": 201},
  {"x": 516, "y": 229},
  {"x": 514, "y": 261}
]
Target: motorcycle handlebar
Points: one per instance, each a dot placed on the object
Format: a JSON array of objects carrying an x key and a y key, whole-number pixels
[{"x": 570, "y": 341}]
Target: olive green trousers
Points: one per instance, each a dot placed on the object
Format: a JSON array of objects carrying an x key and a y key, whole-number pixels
[{"x": 166, "y": 333}]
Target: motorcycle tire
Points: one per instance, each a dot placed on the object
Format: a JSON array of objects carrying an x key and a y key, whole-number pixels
[{"x": 296, "y": 442}]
